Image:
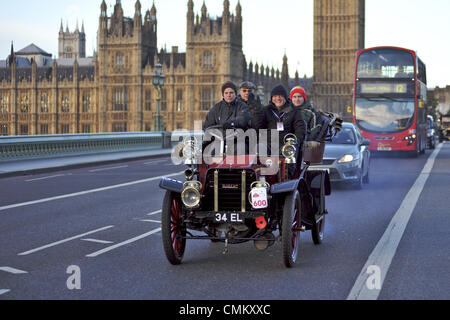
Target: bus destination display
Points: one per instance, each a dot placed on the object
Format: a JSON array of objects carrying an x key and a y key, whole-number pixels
[{"x": 383, "y": 88}]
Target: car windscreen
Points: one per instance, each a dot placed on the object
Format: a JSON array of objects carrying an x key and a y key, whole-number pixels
[{"x": 345, "y": 136}]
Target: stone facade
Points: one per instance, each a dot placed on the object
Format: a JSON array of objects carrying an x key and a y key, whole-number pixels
[
  {"x": 339, "y": 31},
  {"x": 442, "y": 96},
  {"x": 71, "y": 44},
  {"x": 113, "y": 91}
]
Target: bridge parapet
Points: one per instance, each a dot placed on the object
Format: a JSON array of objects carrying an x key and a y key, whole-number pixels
[{"x": 54, "y": 146}]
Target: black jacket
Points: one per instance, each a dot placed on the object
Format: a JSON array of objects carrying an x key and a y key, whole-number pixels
[
  {"x": 313, "y": 120},
  {"x": 292, "y": 122},
  {"x": 231, "y": 115},
  {"x": 255, "y": 106}
]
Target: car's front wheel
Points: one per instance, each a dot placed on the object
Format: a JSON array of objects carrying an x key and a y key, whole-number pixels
[
  {"x": 290, "y": 229},
  {"x": 173, "y": 230}
]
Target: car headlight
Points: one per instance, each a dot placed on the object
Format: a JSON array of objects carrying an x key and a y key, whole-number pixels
[
  {"x": 289, "y": 151},
  {"x": 191, "y": 194},
  {"x": 348, "y": 158},
  {"x": 190, "y": 152}
]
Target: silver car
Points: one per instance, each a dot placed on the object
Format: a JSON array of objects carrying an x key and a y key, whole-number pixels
[{"x": 347, "y": 157}]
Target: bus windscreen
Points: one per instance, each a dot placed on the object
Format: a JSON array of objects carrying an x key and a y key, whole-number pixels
[
  {"x": 385, "y": 63},
  {"x": 383, "y": 115}
]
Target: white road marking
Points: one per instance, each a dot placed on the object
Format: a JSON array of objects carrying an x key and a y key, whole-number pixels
[
  {"x": 12, "y": 270},
  {"x": 98, "y": 241},
  {"x": 63, "y": 241},
  {"x": 97, "y": 253},
  {"x": 386, "y": 248},
  {"x": 154, "y": 162},
  {"x": 110, "y": 168},
  {"x": 49, "y": 177},
  {"x": 3, "y": 291},
  {"x": 149, "y": 220},
  {"x": 154, "y": 213},
  {"x": 77, "y": 194}
]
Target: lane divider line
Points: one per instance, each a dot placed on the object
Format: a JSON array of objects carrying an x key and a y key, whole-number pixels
[
  {"x": 149, "y": 220},
  {"x": 105, "y": 169},
  {"x": 145, "y": 235},
  {"x": 154, "y": 213},
  {"x": 64, "y": 241},
  {"x": 48, "y": 177},
  {"x": 3, "y": 291},
  {"x": 77, "y": 194},
  {"x": 12, "y": 270},
  {"x": 385, "y": 250},
  {"x": 97, "y": 241}
]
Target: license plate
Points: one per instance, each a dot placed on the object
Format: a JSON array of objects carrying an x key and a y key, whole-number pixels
[
  {"x": 384, "y": 149},
  {"x": 258, "y": 197},
  {"x": 228, "y": 218}
]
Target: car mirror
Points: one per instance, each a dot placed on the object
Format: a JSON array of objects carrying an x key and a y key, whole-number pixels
[{"x": 365, "y": 142}]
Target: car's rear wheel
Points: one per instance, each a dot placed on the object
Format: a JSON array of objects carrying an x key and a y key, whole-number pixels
[
  {"x": 290, "y": 229},
  {"x": 173, "y": 230}
]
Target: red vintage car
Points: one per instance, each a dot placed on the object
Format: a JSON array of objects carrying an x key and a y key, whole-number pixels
[{"x": 235, "y": 199}]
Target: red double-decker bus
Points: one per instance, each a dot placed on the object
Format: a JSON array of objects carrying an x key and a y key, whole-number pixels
[{"x": 389, "y": 97}]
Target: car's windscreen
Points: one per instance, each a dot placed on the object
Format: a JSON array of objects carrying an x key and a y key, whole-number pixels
[
  {"x": 382, "y": 115},
  {"x": 345, "y": 136}
]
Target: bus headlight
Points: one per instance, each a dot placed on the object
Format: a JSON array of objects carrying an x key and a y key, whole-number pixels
[
  {"x": 191, "y": 194},
  {"x": 410, "y": 139},
  {"x": 289, "y": 150}
]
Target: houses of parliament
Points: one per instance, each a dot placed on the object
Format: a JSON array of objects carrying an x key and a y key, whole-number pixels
[{"x": 112, "y": 91}]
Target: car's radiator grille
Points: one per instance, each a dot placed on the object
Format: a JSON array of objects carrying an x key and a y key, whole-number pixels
[{"x": 230, "y": 190}]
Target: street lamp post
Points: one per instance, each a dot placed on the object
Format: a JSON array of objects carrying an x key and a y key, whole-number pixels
[{"x": 158, "y": 80}]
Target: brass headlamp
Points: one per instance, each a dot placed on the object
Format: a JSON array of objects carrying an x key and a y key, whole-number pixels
[
  {"x": 191, "y": 194},
  {"x": 289, "y": 150},
  {"x": 190, "y": 151}
]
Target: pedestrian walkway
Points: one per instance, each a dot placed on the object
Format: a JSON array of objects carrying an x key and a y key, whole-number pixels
[{"x": 23, "y": 167}]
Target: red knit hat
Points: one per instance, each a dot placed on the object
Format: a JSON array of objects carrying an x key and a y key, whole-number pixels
[{"x": 298, "y": 90}]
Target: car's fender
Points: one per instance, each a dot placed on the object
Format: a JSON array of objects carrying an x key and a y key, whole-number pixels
[{"x": 171, "y": 185}]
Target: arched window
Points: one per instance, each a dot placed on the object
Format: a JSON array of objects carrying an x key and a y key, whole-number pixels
[
  {"x": 44, "y": 103},
  {"x": 4, "y": 103},
  {"x": 207, "y": 60},
  {"x": 24, "y": 103}
]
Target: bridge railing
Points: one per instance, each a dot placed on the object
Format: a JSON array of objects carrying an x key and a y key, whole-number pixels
[
  {"x": 57, "y": 146},
  {"x": 52, "y": 146}
]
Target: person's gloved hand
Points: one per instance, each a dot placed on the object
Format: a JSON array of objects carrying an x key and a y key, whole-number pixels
[
  {"x": 228, "y": 125},
  {"x": 251, "y": 98}
]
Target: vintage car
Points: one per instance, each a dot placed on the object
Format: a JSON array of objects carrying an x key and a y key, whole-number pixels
[{"x": 234, "y": 199}]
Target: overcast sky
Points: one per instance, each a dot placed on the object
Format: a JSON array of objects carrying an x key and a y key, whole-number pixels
[{"x": 271, "y": 28}]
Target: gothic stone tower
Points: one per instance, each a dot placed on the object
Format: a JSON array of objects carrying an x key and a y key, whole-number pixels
[
  {"x": 124, "y": 46},
  {"x": 339, "y": 28},
  {"x": 71, "y": 45},
  {"x": 213, "y": 55}
]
